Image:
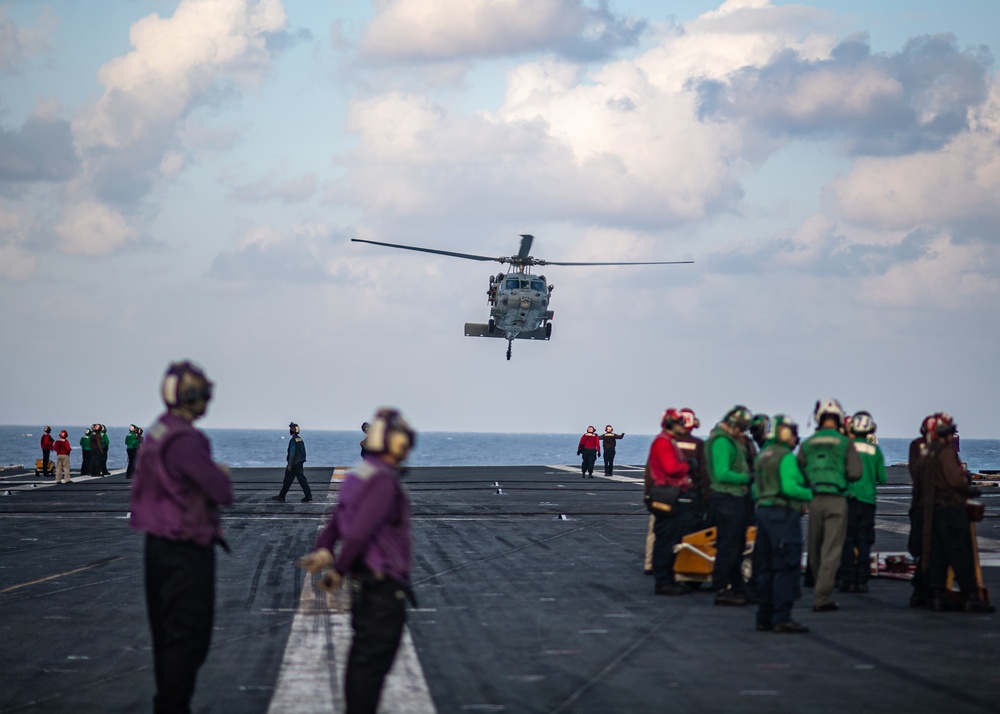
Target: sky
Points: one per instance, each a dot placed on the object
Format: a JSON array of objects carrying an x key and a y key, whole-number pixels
[{"x": 182, "y": 179}]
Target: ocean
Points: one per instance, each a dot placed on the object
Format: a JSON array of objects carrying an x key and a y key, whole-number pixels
[{"x": 267, "y": 448}]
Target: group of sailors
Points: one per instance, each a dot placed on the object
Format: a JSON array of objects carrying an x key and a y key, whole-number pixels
[
  {"x": 94, "y": 446},
  {"x": 748, "y": 472}
]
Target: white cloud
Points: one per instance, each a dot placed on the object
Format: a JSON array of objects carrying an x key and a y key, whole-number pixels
[
  {"x": 621, "y": 146},
  {"x": 956, "y": 185},
  {"x": 18, "y": 44},
  {"x": 132, "y": 137},
  {"x": 175, "y": 61},
  {"x": 449, "y": 29},
  {"x": 89, "y": 228}
]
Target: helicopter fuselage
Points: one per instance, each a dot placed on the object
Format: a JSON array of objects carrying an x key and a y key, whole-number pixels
[{"x": 519, "y": 304}]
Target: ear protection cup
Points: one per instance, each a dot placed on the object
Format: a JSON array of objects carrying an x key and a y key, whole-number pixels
[
  {"x": 375, "y": 441},
  {"x": 389, "y": 433}
]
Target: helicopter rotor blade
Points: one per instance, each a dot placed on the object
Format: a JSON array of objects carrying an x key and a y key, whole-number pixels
[
  {"x": 467, "y": 256},
  {"x": 657, "y": 262},
  {"x": 526, "y": 241}
]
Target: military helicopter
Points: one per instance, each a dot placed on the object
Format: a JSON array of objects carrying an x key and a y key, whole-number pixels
[{"x": 519, "y": 300}]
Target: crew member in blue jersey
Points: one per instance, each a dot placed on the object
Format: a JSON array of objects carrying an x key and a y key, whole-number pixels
[{"x": 294, "y": 468}]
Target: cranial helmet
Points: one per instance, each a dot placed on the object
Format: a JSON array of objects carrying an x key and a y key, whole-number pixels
[
  {"x": 691, "y": 422},
  {"x": 186, "y": 385},
  {"x": 758, "y": 428},
  {"x": 828, "y": 407},
  {"x": 738, "y": 417},
  {"x": 48, "y": 429},
  {"x": 927, "y": 425},
  {"x": 945, "y": 425},
  {"x": 63, "y": 434},
  {"x": 671, "y": 418},
  {"x": 608, "y": 428},
  {"x": 389, "y": 433},
  {"x": 293, "y": 428},
  {"x": 862, "y": 424},
  {"x": 783, "y": 428}
]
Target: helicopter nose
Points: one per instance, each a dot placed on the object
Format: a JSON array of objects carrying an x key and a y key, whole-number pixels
[{"x": 525, "y": 303}]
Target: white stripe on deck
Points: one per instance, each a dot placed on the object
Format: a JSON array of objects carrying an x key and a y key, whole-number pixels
[
  {"x": 621, "y": 479},
  {"x": 311, "y": 679}
]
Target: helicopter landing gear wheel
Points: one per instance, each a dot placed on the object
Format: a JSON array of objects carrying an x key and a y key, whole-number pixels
[
  {"x": 508, "y": 352},
  {"x": 491, "y": 325},
  {"x": 548, "y": 330}
]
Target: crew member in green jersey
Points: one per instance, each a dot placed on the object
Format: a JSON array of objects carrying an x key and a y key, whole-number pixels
[
  {"x": 731, "y": 503},
  {"x": 782, "y": 495},
  {"x": 85, "y": 449},
  {"x": 855, "y": 565},
  {"x": 829, "y": 460},
  {"x": 131, "y": 449}
]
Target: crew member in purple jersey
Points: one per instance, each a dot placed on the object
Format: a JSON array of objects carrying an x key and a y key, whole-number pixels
[
  {"x": 372, "y": 525},
  {"x": 176, "y": 494}
]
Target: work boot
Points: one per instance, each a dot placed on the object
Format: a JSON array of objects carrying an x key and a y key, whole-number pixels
[
  {"x": 307, "y": 499},
  {"x": 790, "y": 628},
  {"x": 278, "y": 498},
  {"x": 728, "y": 596},
  {"x": 978, "y": 606},
  {"x": 826, "y": 607}
]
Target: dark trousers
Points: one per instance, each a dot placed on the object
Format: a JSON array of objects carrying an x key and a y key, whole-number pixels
[
  {"x": 130, "y": 469},
  {"x": 104, "y": 463},
  {"x": 45, "y": 461},
  {"x": 292, "y": 473},
  {"x": 85, "y": 466},
  {"x": 378, "y": 614},
  {"x": 951, "y": 545},
  {"x": 777, "y": 558},
  {"x": 668, "y": 528},
  {"x": 921, "y": 576},
  {"x": 855, "y": 565},
  {"x": 732, "y": 516},
  {"x": 180, "y": 600},
  {"x": 696, "y": 518},
  {"x": 609, "y": 462},
  {"x": 589, "y": 459}
]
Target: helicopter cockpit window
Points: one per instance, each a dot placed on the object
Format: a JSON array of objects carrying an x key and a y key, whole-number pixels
[
  {"x": 510, "y": 285},
  {"x": 538, "y": 285}
]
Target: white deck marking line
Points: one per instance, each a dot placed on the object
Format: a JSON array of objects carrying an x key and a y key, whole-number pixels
[
  {"x": 308, "y": 670},
  {"x": 311, "y": 679}
]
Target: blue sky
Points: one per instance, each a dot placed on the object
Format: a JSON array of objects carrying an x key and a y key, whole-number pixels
[{"x": 182, "y": 179}]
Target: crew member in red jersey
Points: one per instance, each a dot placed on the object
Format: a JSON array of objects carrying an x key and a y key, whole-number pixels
[{"x": 666, "y": 466}]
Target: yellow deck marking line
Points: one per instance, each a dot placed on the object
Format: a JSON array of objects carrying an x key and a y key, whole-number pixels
[
  {"x": 60, "y": 575},
  {"x": 339, "y": 472}
]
